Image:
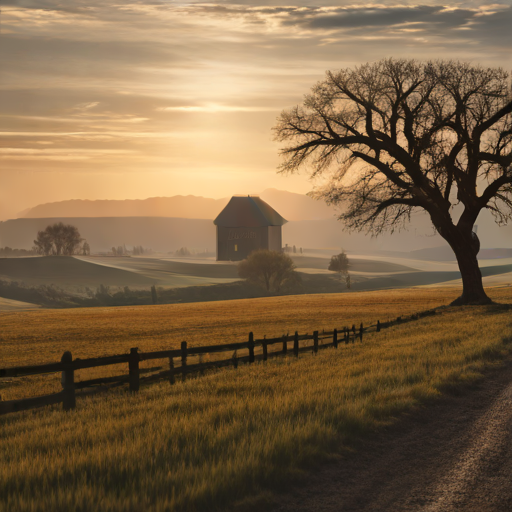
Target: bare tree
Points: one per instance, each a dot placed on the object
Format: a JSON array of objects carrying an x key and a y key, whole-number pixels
[
  {"x": 398, "y": 136},
  {"x": 58, "y": 239}
]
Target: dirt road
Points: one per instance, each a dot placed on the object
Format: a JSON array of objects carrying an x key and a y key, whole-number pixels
[{"x": 453, "y": 455}]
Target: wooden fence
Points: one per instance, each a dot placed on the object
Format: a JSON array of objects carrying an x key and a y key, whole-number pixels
[{"x": 278, "y": 347}]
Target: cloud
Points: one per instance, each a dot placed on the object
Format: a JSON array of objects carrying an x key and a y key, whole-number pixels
[
  {"x": 198, "y": 85},
  {"x": 86, "y": 106},
  {"x": 371, "y": 17},
  {"x": 105, "y": 135},
  {"x": 69, "y": 154},
  {"x": 214, "y": 108}
]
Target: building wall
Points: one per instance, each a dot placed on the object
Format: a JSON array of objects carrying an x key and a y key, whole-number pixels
[
  {"x": 275, "y": 242},
  {"x": 235, "y": 244}
]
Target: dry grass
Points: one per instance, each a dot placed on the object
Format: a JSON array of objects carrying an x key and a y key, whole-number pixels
[
  {"x": 39, "y": 336},
  {"x": 212, "y": 442}
]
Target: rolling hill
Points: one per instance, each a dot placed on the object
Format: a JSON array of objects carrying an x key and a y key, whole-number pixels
[{"x": 67, "y": 271}]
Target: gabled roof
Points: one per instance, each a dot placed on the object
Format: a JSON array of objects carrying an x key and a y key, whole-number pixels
[{"x": 248, "y": 212}]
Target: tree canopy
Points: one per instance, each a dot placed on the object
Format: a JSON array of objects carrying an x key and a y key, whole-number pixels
[
  {"x": 398, "y": 136},
  {"x": 339, "y": 263},
  {"x": 269, "y": 269},
  {"x": 59, "y": 239}
]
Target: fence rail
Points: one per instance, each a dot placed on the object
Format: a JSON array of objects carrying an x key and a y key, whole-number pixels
[{"x": 67, "y": 366}]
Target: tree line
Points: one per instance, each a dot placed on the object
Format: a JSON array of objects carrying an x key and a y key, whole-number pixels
[{"x": 9, "y": 252}]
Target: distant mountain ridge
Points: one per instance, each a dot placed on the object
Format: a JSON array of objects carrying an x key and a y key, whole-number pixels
[
  {"x": 168, "y": 223},
  {"x": 191, "y": 207},
  {"x": 290, "y": 205}
]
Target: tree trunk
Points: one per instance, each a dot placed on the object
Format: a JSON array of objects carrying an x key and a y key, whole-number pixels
[{"x": 472, "y": 286}]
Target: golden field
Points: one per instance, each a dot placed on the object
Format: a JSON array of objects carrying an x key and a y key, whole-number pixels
[
  {"x": 231, "y": 437},
  {"x": 42, "y": 336},
  {"x": 39, "y": 336}
]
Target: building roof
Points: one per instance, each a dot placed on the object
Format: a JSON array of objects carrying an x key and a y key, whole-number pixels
[{"x": 248, "y": 212}]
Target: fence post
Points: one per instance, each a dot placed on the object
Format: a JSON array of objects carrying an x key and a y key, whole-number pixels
[
  {"x": 335, "y": 338},
  {"x": 133, "y": 370},
  {"x": 172, "y": 380},
  {"x": 346, "y": 335},
  {"x": 183, "y": 361},
  {"x": 265, "y": 353},
  {"x": 354, "y": 333},
  {"x": 315, "y": 342},
  {"x": 68, "y": 383},
  {"x": 285, "y": 346},
  {"x": 361, "y": 330},
  {"x": 251, "y": 347},
  {"x": 296, "y": 344},
  {"x": 378, "y": 325},
  {"x": 235, "y": 360}
]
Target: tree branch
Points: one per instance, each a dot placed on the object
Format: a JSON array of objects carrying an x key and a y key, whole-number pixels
[
  {"x": 494, "y": 187},
  {"x": 480, "y": 129}
]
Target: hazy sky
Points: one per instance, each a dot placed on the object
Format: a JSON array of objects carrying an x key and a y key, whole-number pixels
[{"x": 105, "y": 99}]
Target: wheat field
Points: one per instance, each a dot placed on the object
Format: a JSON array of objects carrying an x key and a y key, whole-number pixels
[{"x": 230, "y": 439}]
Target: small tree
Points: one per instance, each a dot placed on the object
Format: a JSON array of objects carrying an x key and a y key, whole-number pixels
[
  {"x": 339, "y": 263},
  {"x": 154, "y": 297},
  {"x": 182, "y": 252},
  {"x": 58, "y": 239},
  {"x": 269, "y": 269}
]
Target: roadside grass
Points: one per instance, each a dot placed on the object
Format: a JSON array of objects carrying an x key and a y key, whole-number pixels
[{"x": 231, "y": 438}]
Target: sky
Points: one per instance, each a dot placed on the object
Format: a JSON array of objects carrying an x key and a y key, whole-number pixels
[{"x": 102, "y": 99}]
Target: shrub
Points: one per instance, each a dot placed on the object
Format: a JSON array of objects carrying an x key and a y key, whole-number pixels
[{"x": 269, "y": 269}]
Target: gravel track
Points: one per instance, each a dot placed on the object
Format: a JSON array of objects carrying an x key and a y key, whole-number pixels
[{"x": 454, "y": 454}]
